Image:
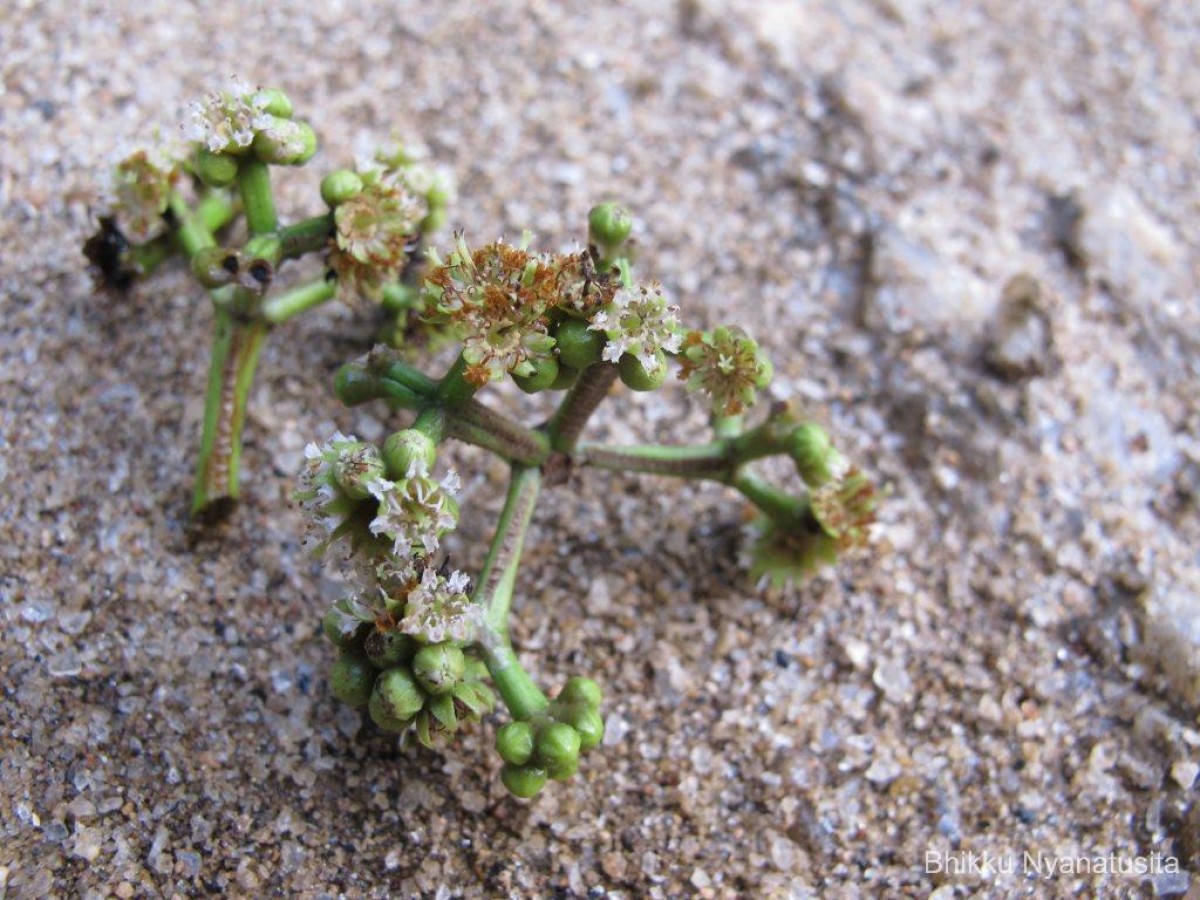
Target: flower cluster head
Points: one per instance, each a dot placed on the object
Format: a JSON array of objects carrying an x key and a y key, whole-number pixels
[
  {"x": 407, "y": 163},
  {"x": 639, "y": 321},
  {"x": 414, "y": 512},
  {"x": 438, "y": 607},
  {"x": 779, "y": 553},
  {"x": 227, "y": 121},
  {"x": 414, "y": 598},
  {"x": 346, "y": 494},
  {"x": 402, "y": 653},
  {"x": 138, "y": 192},
  {"x": 837, "y": 516},
  {"x": 499, "y": 299},
  {"x": 378, "y": 216},
  {"x": 235, "y": 120},
  {"x": 402, "y": 632},
  {"x": 727, "y": 365},
  {"x": 845, "y": 508}
]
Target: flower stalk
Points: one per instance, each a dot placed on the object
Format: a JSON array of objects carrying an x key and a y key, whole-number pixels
[
  {"x": 572, "y": 415},
  {"x": 235, "y": 351}
]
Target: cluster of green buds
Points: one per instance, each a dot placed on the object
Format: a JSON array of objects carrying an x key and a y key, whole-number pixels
[
  {"x": 548, "y": 745},
  {"x": 162, "y": 203},
  {"x": 416, "y": 689}
]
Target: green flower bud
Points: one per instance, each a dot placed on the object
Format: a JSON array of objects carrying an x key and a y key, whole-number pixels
[
  {"x": 766, "y": 372},
  {"x": 439, "y": 194},
  {"x": 286, "y": 143},
  {"x": 590, "y": 726},
  {"x": 564, "y": 770},
  {"x": 566, "y": 378},
  {"x": 334, "y": 627},
  {"x": 354, "y": 385},
  {"x": 309, "y": 139},
  {"x": 273, "y": 101},
  {"x": 353, "y": 471},
  {"x": 340, "y": 186},
  {"x": 382, "y": 717},
  {"x": 215, "y": 169},
  {"x": 635, "y": 376},
  {"x": 475, "y": 698},
  {"x": 557, "y": 747},
  {"x": 523, "y": 781},
  {"x": 578, "y": 345},
  {"x": 405, "y": 448},
  {"x": 608, "y": 226},
  {"x": 514, "y": 743},
  {"x": 443, "y": 710},
  {"x": 388, "y": 648},
  {"x": 583, "y": 691},
  {"x": 434, "y": 220},
  {"x": 439, "y": 667},
  {"x": 544, "y": 374},
  {"x": 399, "y": 695},
  {"x": 351, "y": 679},
  {"x": 811, "y": 450},
  {"x": 215, "y": 267}
]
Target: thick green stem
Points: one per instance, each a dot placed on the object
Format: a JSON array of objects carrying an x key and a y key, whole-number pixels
[
  {"x": 727, "y": 426},
  {"x": 307, "y": 236},
  {"x": 454, "y": 389},
  {"x": 482, "y": 425},
  {"x": 577, "y": 407},
  {"x": 416, "y": 381},
  {"x": 431, "y": 421},
  {"x": 710, "y": 461},
  {"x": 495, "y": 591},
  {"x": 721, "y": 460},
  {"x": 254, "y": 183},
  {"x": 521, "y": 694},
  {"x": 236, "y": 345},
  {"x": 192, "y": 234},
  {"x": 775, "y": 503},
  {"x": 504, "y": 555},
  {"x": 356, "y": 384},
  {"x": 284, "y": 306},
  {"x": 448, "y": 394},
  {"x": 214, "y": 210}
]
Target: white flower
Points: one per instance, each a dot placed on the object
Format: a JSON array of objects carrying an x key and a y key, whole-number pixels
[
  {"x": 638, "y": 321},
  {"x": 230, "y": 118},
  {"x": 349, "y": 614},
  {"x": 439, "y": 609},
  {"x": 138, "y": 192},
  {"x": 318, "y": 492},
  {"x": 414, "y": 512}
]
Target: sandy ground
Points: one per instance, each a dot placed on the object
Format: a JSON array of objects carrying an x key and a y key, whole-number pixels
[{"x": 1012, "y": 667}]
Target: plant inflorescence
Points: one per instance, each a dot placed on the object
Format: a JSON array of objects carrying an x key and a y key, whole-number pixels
[{"x": 424, "y": 647}]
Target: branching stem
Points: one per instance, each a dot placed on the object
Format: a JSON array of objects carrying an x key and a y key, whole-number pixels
[{"x": 567, "y": 425}]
